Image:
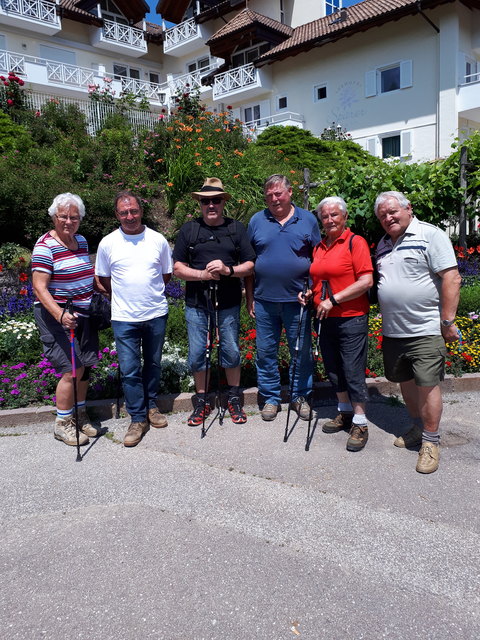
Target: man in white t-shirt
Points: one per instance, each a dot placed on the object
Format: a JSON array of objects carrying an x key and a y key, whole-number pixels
[
  {"x": 134, "y": 264},
  {"x": 418, "y": 292}
]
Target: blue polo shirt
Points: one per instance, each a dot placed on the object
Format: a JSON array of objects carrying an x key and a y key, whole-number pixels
[{"x": 284, "y": 253}]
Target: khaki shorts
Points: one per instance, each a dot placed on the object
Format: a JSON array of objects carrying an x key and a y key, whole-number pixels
[{"x": 419, "y": 358}]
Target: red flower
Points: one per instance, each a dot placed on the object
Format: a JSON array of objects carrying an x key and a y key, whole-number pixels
[
  {"x": 23, "y": 292},
  {"x": 229, "y": 107},
  {"x": 23, "y": 277},
  {"x": 467, "y": 357},
  {"x": 448, "y": 363},
  {"x": 1, "y": 268},
  {"x": 249, "y": 355},
  {"x": 9, "y": 102}
]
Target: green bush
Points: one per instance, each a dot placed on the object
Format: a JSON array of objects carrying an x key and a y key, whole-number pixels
[{"x": 469, "y": 300}]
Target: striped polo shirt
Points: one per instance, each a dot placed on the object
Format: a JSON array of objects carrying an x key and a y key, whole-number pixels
[{"x": 71, "y": 271}]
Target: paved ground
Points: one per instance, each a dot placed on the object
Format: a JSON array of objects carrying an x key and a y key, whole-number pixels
[{"x": 240, "y": 535}]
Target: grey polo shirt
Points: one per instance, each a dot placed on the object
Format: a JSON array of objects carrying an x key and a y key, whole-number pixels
[{"x": 408, "y": 286}]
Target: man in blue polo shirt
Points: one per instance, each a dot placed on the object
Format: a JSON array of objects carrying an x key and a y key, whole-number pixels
[{"x": 283, "y": 237}]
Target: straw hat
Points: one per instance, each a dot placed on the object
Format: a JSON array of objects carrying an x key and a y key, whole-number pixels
[{"x": 211, "y": 187}]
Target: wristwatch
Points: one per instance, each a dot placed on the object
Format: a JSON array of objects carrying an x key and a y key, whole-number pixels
[
  {"x": 447, "y": 323},
  {"x": 231, "y": 272}
]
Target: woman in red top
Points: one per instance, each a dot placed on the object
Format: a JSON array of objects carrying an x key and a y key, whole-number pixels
[{"x": 341, "y": 273}]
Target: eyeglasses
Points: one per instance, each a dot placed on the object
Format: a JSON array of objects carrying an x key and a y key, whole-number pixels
[
  {"x": 132, "y": 212},
  {"x": 66, "y": 218},
  {"x": 207, "y": 201}
]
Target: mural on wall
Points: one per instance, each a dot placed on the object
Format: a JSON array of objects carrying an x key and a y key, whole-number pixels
[{"x": 348, "y": 99}]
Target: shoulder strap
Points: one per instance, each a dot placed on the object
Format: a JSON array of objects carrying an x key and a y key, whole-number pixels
[{"x": 351, "y": 241}]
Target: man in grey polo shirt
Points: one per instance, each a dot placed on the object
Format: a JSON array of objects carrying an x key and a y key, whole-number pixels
[{"x": 418, "y": 292}]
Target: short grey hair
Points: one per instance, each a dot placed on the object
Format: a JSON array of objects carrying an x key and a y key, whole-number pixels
[
  {"x": 385, "y": 195},
  {"x": 275, "y": 179},
  {"x": 331, "y": 200},
  {"x": 65, "y": 199}
]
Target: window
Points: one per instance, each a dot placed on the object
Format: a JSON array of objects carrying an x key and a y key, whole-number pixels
[
  {"x": 282, "y": 103},
  {"x": 120, "y": 70},
  {"x": 331, "y": 6},
  {"x": 391, "y": 147},
  {"x": 319, "y": 92},
  {"x": 248, "y": 55},
  {"x": 282, "y": 11},
  {"x": 56, "y": 54},
  {"x": 154, "y": 77},
  {"x": 389, "y": 78},
  {"x": 251, "y": 115},
  {"x": 110, "y": 11},
  {"x": 197, "y": 65},
  {"x": 471, "y": 74},
  {"x": 3, "y": 46}
]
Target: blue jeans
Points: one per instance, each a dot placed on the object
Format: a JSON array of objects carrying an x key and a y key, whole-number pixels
[
  {"x": 133, "y": 341},
  {"x": 270, "y": 317},
  {"x": 344, "y": 346},
  {"x": 197, "y": 327}
]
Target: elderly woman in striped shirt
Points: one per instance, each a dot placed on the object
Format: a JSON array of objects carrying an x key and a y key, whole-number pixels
[{"x": 62, "y": 272}]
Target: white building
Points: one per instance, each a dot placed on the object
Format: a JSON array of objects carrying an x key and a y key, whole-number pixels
[{"x": 402, "y": 76}]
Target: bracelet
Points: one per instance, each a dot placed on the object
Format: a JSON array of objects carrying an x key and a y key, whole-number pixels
[
  {"x": 333, "y": 301},
  {"x": 231, "y": 272}
]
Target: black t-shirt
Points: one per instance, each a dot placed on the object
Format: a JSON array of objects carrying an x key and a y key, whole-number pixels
[{"x": 198, "y": 244}]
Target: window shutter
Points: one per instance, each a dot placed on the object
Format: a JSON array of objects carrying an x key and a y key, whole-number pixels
[
  {"x": 370, "y": 84},
  {"x": 406, "y": 74},
  {"x": 371, "y": 146},
  {"x": 405, "y": 143}
]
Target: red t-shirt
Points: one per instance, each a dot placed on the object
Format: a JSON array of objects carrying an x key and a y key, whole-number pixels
[{"x": 341, "y": 267}]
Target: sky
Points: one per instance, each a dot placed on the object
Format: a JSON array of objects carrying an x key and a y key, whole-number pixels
[{"x": 154, "y": 17}]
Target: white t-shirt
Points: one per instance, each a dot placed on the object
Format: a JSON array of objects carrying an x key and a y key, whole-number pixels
[
  {"x": 408, "y": 286},
  {"x": 135, "y": 264}
]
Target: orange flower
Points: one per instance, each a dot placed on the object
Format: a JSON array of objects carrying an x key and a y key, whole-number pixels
[
  {"x": 217, "y": 130},
  {"x": 196, "y": 153},
  {"x": 279, "y": 151},
  {"x": 179, "y": 146},
  {"x": 209, "y": 148},
  {"x": 159, "y": 160},
  {"x": 292, "y": 171},
  {"x": 219, "y": 155},
  {"x": 199, "y": 164},
  {"x": 198, "y": 131},
  {"x": 238, "y": 153},
  {"x": 169, "y": 184},
  {"x": 237, "y": 175},
  {"x": 217, "y": 164},
  {"x": 201, "y": 139},
  {"x": 241, "y": 201}
]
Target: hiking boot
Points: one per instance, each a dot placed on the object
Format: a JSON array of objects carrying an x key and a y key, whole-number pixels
[
  {"x": 357, "y": 438},
  {"x": 428, "y": 458},
  {"x": 342, "y": 421},
  {"x": 412, "y": 438},
  {"x": 65, "y": 431},
  {"x": 85, "y": 424},
  {"x": 156, "y": 419},
  {"x": 237, "y": 414},
  {"x": 135, "y": 433},
  {"x": 301, "y": 407},
  {"x": 203, "y": 409},
  {"x": 269, "y": 411}
]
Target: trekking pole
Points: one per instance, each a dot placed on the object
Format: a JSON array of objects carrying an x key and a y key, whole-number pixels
[
  {"x": 295, "y": 357},
  {"x": 118, "y": 392},
  {"x": 221, "y": 413},
  {"x": 208, "y": 354},
  {"x": 69, "y": 307},
  {"x": 323, "y": 295}
]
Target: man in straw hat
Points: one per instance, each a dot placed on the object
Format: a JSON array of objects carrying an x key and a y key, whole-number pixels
[{"x": 211, "y": 254}]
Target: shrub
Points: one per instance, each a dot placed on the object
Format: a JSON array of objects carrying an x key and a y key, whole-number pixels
[{"x": 469, "y": 300}]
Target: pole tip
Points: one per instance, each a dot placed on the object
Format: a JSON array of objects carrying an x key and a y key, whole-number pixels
[{"x": 79, "y": 458}]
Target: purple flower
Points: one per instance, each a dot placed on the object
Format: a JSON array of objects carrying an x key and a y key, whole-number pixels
[
  {"x": 15, "y": 392},
  {"x": 6, "y": 380}
]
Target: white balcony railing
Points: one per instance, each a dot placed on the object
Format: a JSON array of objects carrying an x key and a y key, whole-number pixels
[
  {"x": 12, "y": 62},
  {"x": 239, "y": 78},
  {"x": 68, "y": 74},
  {"x": 473, "y": 77},
  {"x": 142, "y": 88},
  {"x": 180, "y": 33},
  {"x": 33, "y": 9},
  {"x": 190, "y": 81},
  {"x": 123, "y": 34},
  {"x": 255, "y": 127}
]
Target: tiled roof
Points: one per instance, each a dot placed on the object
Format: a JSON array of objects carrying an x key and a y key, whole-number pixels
[
  {"x": 248, "y": 18},
  {"x": 346, "y": 22}
]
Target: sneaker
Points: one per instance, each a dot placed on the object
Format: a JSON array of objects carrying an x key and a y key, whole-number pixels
[
  {"x": 428, "y": 458},
  {"x": 156, "y": 419},
  {"x": 301, "y": 407},
  {"x": 412, "y": 438},
  {"x": 269, "y": 411},
  {"x": 86, "y": 426},
  {"x": 237, "y": 414},
  {"x": 357, "y": 438},
  {"x": 342, "y": 421},
  {"x": 135, "y": 433},
  {"x": 65, "y": 431},
  {"x": 201, "y": 411}
]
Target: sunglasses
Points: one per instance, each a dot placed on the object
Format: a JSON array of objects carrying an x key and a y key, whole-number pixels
[{"x": 207, "y": 201}]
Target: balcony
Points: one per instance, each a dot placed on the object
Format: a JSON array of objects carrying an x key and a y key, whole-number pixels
[
  {"x": 286, "y": 119},
  {"x": 119, "y": 38},
  {"x": 191, "y": 81},
  {"x": 12, "y": 62},
  {"x": 185, "y": 38},
  {"x": 156, "y": 93},
  {"x": 240, "y": 83},
  {"x": 469, "y": 98},
  {"x": 35, "y": 15}
]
